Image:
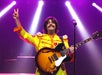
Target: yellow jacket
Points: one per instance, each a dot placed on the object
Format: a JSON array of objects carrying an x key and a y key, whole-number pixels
[{"x": 42, "y": 40}]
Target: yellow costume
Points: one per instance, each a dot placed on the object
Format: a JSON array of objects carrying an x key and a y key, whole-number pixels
[{"x": 42, "y": 40}]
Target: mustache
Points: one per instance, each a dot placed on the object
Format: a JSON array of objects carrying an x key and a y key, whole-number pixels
[{"x": 51, "y": 25}]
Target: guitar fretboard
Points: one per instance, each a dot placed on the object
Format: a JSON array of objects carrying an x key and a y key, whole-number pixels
[
  {"x": 83, "y": 42},
  {"x": 76, "y": 45},
  {"x": 96, "y": 35}
]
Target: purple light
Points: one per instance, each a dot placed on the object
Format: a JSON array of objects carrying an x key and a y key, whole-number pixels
[
  {"x": 34, "y": 24},
  {"x": 92, "y": 49},
  {"x": 80, "y": 26},
  {"x": 33, "y": 27},
  {"x": 97, "y": 6},
  {"x": 7, "y": 8}
]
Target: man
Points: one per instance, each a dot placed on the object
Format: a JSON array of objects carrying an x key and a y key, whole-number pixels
[{"x": 48, "y": 39}]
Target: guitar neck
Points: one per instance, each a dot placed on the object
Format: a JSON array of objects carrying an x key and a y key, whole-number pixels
[
  {"x": 78, "y": 44},
  {"x": 83, "y": 42},
  {"x": 96, "y": 35}
]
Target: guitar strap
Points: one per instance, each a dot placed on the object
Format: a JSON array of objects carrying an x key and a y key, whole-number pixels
[{"x": 63, "y": 65}]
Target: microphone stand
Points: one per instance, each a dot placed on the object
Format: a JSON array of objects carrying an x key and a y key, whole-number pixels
[{"x": 75, "y": 24}]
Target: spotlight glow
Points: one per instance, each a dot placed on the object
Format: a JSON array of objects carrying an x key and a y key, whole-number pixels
[
  {"x": 26, "y": 46},
  {"x": 34, "y": 24},
  {"x": 82, "y": 29},
  {"x": 7, "y": 8},
  {"x": 95, "y": 55},
  {"x": 97, "y": 7}
]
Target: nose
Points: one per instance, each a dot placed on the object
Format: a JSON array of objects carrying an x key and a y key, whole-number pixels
[{"x": 50, "y": 23}]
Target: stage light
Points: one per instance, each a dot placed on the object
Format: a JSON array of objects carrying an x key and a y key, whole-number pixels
[
  {"x": 7, "y": 8},
  {"x": 33, "y": 28},
  {"x": 80, "y": 26},
  {"x": 92, "y": 49},
  {"x": 97, "y": 7},
  {"x": 34, "y": 24},
  {"x": 27, "y": 48}
]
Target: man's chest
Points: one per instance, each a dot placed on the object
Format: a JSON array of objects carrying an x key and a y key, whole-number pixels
[{"x": 49, "y": 42}]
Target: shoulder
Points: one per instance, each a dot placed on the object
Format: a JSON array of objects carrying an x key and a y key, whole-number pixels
[
  {"x": 65, "y": 36},
  {"x": 39, "y": 34}
]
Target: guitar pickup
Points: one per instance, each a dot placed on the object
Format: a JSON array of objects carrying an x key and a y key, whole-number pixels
[{"x": 55, "y": 57}]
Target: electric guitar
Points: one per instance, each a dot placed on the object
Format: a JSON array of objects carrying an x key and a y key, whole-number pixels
[{"x": 49, "y": 60}]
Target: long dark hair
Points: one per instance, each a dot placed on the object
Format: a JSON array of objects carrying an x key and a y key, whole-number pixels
[{"x": 54, "y": 20}]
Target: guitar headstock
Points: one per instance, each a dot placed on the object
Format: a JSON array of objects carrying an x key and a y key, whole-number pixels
[{"x": 97, "y": 35}]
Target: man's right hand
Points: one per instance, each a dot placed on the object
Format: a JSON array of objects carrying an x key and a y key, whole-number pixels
[
  {"x": 16, "y": 14},
  {"x": 16, "y": 17}
]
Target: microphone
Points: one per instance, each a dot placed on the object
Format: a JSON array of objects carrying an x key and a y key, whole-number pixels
[{"x": 74, "y": 22}]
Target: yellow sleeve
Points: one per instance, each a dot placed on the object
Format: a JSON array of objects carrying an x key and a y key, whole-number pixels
[{"x": 24, "y": 35}]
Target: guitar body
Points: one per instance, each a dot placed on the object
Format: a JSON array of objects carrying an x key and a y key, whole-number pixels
[{"x": 45, "y": 60}]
